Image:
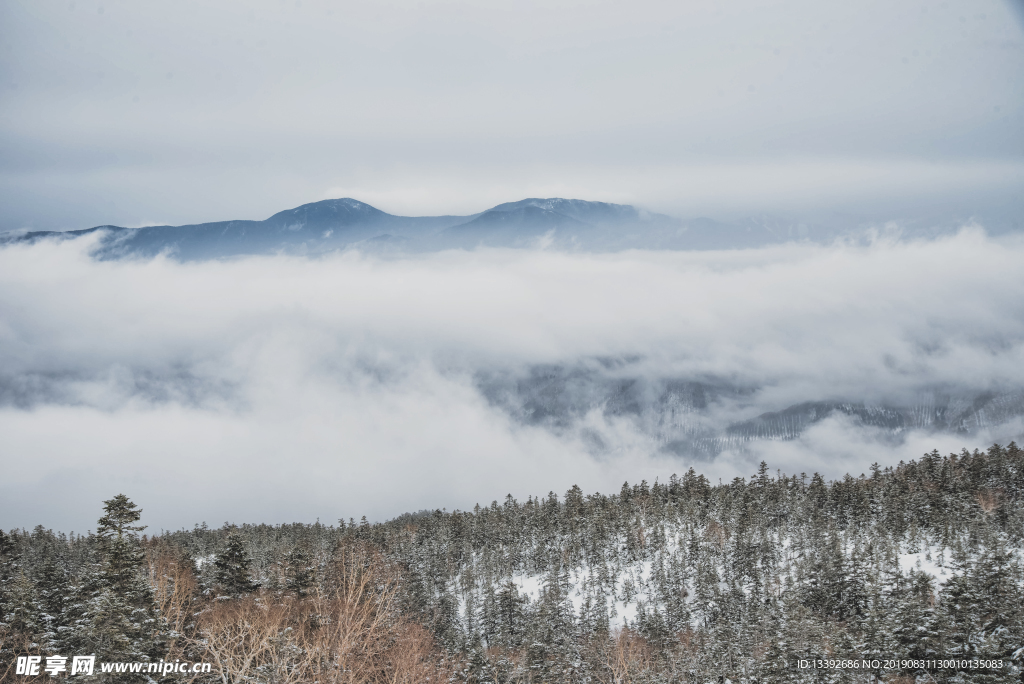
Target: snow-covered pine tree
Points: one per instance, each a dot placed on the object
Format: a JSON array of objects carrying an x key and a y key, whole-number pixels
[
  {"x": 511, "y": 618},
  {"x": 9, "y": 573},
  {"x": 21, "y": 631},
  {"x": 51, "y": 586},
  {"x": 112, "y": 614},
  {"x": 300, "y": 575},
  {"x": 913, "y": 621},
  {"x": 234, "y": 568},
  {"x": 997, "y": 576}
]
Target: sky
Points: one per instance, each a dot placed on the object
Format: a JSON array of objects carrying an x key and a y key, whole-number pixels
[{"x": 126, "y": 113}]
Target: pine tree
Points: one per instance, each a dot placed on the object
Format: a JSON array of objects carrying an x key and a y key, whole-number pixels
[
  {"x": 51, "y": 587},
  {"x": 112, "y": 614},
  {"x": 1000, "y": 616},
  {"x": 508, "y": 615},
  {"x": 479, "y": 669},
  {"x": 22, "y": 627},
  {"x": 914, "y": 626},
  {"x": 550, "y": 629},
  {"x": 299, "y": 572},
  {"x": 9, "y": 572},
  {"x": 234, "y": 568},
  {"x": 445, "y": 621},
  {"x": 775, "y": 666},
  {"x": 959, "y": 613}
]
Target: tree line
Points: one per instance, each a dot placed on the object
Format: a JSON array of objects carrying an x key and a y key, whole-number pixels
[{"x": 677, "y": 581}]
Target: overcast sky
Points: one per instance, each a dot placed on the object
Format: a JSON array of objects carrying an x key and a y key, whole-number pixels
[{"x": 114, "y": 111}]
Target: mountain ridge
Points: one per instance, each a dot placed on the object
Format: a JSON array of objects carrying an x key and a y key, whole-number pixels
[
  {"x": 557, "y": 223},
  {"x": 345, "y": 222}
]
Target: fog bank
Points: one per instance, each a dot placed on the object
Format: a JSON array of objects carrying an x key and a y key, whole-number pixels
[{"x": 273, "y": 389}]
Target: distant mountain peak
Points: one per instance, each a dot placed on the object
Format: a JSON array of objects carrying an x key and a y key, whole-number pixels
[
  {"x": 584, "y": 211},
  {"x": 522, "y": 215},
  {"x": 344, "y": 210},
  {"x": 554, "y": 204}
]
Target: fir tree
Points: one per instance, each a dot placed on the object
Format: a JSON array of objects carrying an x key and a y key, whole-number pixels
[
  {"x": 51, "y": 587},
  {"x": 9, "y": 572},
  {"x": 234, "y": 568},
  {"x": 509, "y": 618},
  {"x": 112, "y": 614},
  {"x": 299, "y": 572},
  {"x": 997, "y": 578},
  {"x": 914, "y": 626},
  {"x": 22, "y": 619}
]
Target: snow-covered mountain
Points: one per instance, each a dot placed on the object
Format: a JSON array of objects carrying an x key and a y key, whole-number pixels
[
  {"x": 557, "y": 223},
  {"x": 308, "y": 229},
  {"x": 348, "y": 223}
]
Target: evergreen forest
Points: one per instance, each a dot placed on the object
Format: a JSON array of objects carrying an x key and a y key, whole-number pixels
[{"x": 677, "y": 581}]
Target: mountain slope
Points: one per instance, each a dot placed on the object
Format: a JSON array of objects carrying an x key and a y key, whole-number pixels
[
  {"x": 595, "y": 213},
  {"x": 558, "y": 223},
  {"x": 328, "y": 225},
  {"x": 522, "y": 226},
  {"x": 308, "y": 229},
  {"x": 701, "y": 417}
]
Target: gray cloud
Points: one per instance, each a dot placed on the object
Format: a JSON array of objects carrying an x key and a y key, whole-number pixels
[
  {"x": 284, "y": 388},
  {"x": 188, "y": 112}
]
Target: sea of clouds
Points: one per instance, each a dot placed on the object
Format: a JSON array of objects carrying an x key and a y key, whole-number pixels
[{"x": 278, "y": 389}]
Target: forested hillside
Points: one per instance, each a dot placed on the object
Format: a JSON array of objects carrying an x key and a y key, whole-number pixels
[{"x": 677, "y": 581}]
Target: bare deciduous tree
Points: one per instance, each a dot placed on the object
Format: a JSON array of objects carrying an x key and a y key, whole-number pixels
[{"x": 348, "y": 631}]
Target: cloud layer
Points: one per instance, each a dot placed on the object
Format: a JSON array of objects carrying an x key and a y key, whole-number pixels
[
  {"x": 277, "y": 389},
  {"x": 116, "y": 112}
]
